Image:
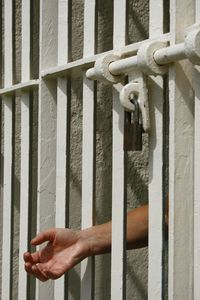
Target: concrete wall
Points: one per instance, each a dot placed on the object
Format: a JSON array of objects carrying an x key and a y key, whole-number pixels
[{"x": 137, "y": 178}]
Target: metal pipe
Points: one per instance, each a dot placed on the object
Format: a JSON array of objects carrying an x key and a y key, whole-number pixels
[
  {"x": 123, "y": 66},
  {"x": 91, "y": 74},
  {"x": 162, "y": 57},
  {"x": 170, "y": 54}
]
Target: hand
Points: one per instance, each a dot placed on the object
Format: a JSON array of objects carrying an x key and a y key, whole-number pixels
[{"x": 65, "y": 249}]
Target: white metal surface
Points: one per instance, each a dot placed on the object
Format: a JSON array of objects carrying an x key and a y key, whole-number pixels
[
  {"x": 47, "y": 131},
  {"x": 170, "y": 54},
  {"x": 25, "y": 145},
  {"x": 181, "y": 170},
  {"x": 61, "y": 142},
  {"x": 118, "y": 258},
  {"x": 155, "y": 267},
  {"x": 7, "y": 199},
  {"x": 24, "y": 195},
  {"x": 19, "y": 87},
  {"x": 197, "y": 175},
  {"x": 87, "y": 215},
  {"x": 7, "y": 171}
]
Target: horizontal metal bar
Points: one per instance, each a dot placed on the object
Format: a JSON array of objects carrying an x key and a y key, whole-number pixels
[
  {"x": 170, "y": 54},
  {"x": 19, "y": 87},
  {"x": 88, "y": 62},
  {"x": 162, "y": 56},
  {"x": 123, "y": 65}
]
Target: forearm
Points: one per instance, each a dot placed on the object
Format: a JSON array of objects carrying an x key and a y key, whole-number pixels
[{"x": 99, "y": 236}]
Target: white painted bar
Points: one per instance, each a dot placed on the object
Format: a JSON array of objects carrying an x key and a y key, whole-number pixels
[
  {"x": 155, "y": 166},
  {"x": 170, "y": 54},
  {"x": 25, "y": 55},
  {"x": 25, "y": 146},
  {"x": 87, "y": 274},
  {"x": 20, "y": 87},
  {"x": 8, "y": 44},
  {"x": 197, "y": 175},
  {"x": 126, "y": 65},
  {"x": 181, "y": 170},
  {"x": 24, "y": 194},
  {"x": 47, "y": 130},
  {"x": 61, "y": 143},
  {"x": 197, "y": 191},
  {"x": 118, "y": 258},
  {"x": 87, "y": 214},
  {"x": 7, "y": 154},
  {"x": 88, "y": 62},
  {"x": 7, "y": 199}
]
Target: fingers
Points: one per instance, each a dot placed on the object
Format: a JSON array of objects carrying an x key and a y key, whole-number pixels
[
  {"x": 28, "y": 267},
  {"x": 44, "y": 236},
  {"x": 31, "y": 261},
  {"x": 32, "y": 258},
  {"x": 37, "y": 272}
]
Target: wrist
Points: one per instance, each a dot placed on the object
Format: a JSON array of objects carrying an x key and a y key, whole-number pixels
[{"x": 97, "y": 238}]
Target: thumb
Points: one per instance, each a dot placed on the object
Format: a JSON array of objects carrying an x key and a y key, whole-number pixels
[{"x": 44, "y": 236}]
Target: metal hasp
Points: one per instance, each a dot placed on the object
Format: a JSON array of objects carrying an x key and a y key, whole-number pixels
[
  {"x": 134, "y": 99},
  {"x": 137, "y": 90}
]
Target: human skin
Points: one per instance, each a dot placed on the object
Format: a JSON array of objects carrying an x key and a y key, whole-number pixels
[{"x": 65, "y": 247}]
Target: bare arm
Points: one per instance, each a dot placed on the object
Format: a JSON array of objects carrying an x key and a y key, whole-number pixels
[
  {"x": 66, "y": 247},
  {"x": 137, "y": 232}
]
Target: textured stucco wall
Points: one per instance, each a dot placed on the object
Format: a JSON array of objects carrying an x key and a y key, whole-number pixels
[{"x": 137, "y": 178}]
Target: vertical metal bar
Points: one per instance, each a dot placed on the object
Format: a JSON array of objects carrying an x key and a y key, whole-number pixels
[
  {"x": 7, "y": 171},
  {"x": 7, "y": 198},
  {"x": 1, "y": 188},
  {"x": 197, "y": 175},
  {"x": 61, "y": 143},
  {"x": 25, "y": 129},
  {"x": 47, "y": 130},
  {"x": 155, "y": 258},
  {"x": 118, "y": 260},
  {"x": 181, "y": 171},
  {"x": 87, "y": 266},
  {"x": 8, "y": 43}
]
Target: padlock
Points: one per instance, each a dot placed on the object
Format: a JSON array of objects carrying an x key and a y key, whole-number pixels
[{"x": 133, "y": 129}]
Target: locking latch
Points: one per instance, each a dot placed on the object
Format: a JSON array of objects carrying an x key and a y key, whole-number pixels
[{"x": 134, "y": 99}]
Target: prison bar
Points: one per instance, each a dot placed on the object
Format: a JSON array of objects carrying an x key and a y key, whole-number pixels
[
  {"x": 118, "y": 254},
  {"x": 19, "y": 87},
  {"x": 62, "y": 151},
  {"x": 197, "y": 175},
  {"x": 46, "y": 187},
  {"x": 8, "y": 154},
  {"x": 88, "y": 161},
  {"x": 156, "y": 112},
  {"x": 25, "y": 149},
  {"x": 181, "y": 162}
]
